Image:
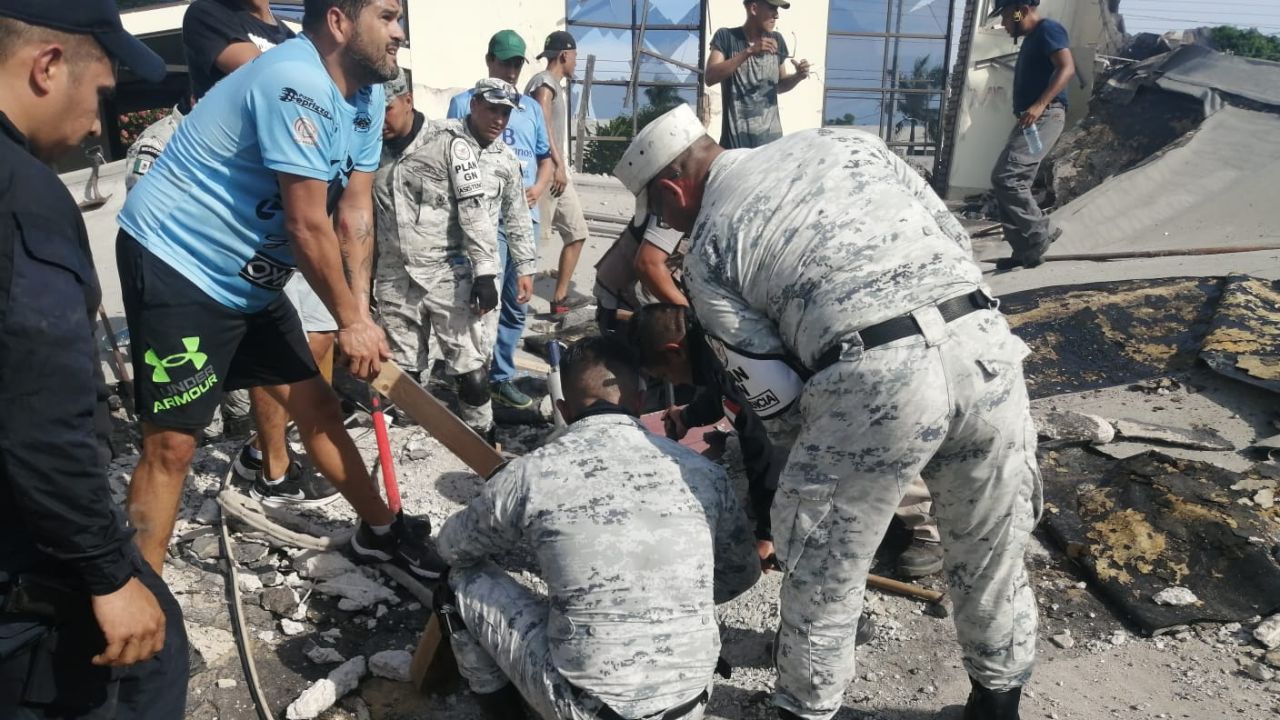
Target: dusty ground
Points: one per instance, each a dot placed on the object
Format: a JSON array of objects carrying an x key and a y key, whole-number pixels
[{"x": 910, "y": 671}]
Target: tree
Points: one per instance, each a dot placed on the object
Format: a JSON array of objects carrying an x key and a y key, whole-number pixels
[
  {"x": 1246, "y": 43},
  {"x": 916, "y": 108},
  {"x": 601, "y": 157},
  {"x": 846, "y": 119}
]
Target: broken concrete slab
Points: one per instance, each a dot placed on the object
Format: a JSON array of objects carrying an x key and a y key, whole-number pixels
[
  {"x": 1175, "y": 596},
  {"x": 282, "y": 600},
  {"x": 1060, "y": 428},
  {"x": 291, "y": 628},
  {"x": 323, "y": 694},
  {"x": 322, "y": 655},
  {"x": 1268, "y": 632},
  {"x": 358, "y": 589},
  {"x": 1192, "y": 438},
  {"x": 322, "y": 565},
  {"x": 391, "y": 664},
  {"x": 212, "y": 643}
]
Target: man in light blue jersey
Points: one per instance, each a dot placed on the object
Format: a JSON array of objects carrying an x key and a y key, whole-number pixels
[
  {"x": 272, "y": 170},
  {"x": 527, "y": 136}
]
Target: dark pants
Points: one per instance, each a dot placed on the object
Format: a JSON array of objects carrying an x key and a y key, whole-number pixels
[
  {"x": 1026, "y": 227},
  {"x": 45, "y": 671}
]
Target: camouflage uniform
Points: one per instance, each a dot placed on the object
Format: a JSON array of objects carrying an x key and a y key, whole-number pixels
[
  {"x": 436, "y": 231},
  {"x": 798, "y": 246},
  {"x": 638, "y": 539}
]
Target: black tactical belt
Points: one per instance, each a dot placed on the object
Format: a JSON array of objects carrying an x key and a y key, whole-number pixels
[
  {"x": 906, "y": 326},
  {"x": 607, "y": 713}
]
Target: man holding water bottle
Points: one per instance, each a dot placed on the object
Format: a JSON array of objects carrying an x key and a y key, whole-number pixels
[{"x": 1044, "y": 68}]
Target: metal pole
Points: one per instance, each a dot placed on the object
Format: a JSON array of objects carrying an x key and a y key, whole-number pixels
[{"x": 583, "y": 102}]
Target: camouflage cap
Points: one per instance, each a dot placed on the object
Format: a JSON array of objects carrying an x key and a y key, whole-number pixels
[
  {"x": 498, "y": 92},
  {"x": 657, "y": 146},
  {"x": 397, "y": 86}
]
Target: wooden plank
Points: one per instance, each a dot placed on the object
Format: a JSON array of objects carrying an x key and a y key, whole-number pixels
[
  {"x": 434, "y": 668},
  {"x": 436, "y": 419}
]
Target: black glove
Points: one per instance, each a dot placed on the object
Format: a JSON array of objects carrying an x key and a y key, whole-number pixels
[{"x": 484, "y": 294}]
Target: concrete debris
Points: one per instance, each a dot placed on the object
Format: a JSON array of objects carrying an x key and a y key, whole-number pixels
[
  {"x": 291, "y": 628},
  {"x": 1064, "y": 640},
  {"x": 332, "y": 634},
  {"x": 1194, "y": 439},
  {"x": 271, "y": 578},
  {"x": 348, "y": 605},
  {"x": 249, "y": 583},
  {"x": 357, "y": 707},
  {"x": 1260, "y": 672},
  {"x": 208, "y": 512},
  {"x": 1265, "y": 499},
  {"x": 1251, "y": 484},
  {"x": 323, "y": 694},
  {"x": 1272, "y": 658},
  {"x": 391, "y": 664},
  {"x": 322, "y": 655},
  {"x": 1069, "y": 428},
  {"x": 358, "y": 589},
  {"x": 206, "y": 548},
  {"x": 380, "y": 611},
  {"x": 226, "y": 683},
  {"x": 1175, "y": 596},
  {"x": 322, "y": 565},
  {"x": 267, "y": 636},
  {"x": 250, "y": 552},
  {"x": 282, "y": 601},
  {"x": 1268, "y": 632},
  {"x": 212, "y": 643}
]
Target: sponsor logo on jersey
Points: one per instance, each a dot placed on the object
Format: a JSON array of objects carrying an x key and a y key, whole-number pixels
[
  {"x": 266, "y": 272},
  {"x": 363, "y": 122},
  {"x": 290, "y": 95},
  {"x": 305, "y": 132}
]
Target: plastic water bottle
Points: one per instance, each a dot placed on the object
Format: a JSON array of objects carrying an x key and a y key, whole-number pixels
[{"x": 1032, "y": 134}]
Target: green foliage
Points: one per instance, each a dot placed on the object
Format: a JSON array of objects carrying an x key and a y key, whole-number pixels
[
  {"x": 132, "y": 124},
  {"x": 601, "y": 157},
  {"x": 846, "y": 119},
  {"x": 915, "y": 107},
  {"x": 1246, "y": 43}
]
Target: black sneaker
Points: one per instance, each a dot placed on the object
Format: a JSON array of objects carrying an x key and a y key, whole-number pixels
[
  {"x": 410, "y": 550},
  {"x": 297, "y": 488},
  {"x": 246, "y": 466}
]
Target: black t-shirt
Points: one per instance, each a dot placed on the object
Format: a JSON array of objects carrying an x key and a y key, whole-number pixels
[
  {"x": 1035, "y": 64},
  {"x": 210, "y": 26}
]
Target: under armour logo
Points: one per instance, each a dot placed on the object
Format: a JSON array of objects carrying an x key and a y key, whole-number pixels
[{"x": 159, "y": 371}]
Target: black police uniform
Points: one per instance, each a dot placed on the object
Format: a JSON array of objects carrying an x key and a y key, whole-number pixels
[{"x": 62, "y": 538}]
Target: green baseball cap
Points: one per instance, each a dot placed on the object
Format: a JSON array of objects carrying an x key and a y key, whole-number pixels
[{"x": 507, "y": 44}]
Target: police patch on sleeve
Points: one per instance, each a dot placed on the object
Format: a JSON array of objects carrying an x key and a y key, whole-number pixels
[
  {"x": 464, "y": 170},
  {"x": 768, "y": 382}
]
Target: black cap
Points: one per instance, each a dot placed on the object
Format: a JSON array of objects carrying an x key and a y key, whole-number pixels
[
  {"x": 557, "y": 42},
  {"x": 99, "y": 18},
  {"x": 1000, "y": 5}
]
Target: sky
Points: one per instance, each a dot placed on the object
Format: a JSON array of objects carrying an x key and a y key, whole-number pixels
[{"x": 1159, "y": 16}]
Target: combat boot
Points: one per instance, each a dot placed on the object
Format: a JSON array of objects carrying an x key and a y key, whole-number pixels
[{"x": 987, "y": 704}]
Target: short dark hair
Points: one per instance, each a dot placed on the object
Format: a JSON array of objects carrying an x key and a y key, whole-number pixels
[
  {"x": 582, "y": 364},
  {"x": 15, "y": 34},
  {"x": 654, "y": 326},
  {"x": 313, "y": 11}
]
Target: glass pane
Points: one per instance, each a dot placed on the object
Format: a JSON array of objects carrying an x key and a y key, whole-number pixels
[
  {"x": 612, "y": 49},
  {"x": 679, "y": 45},
  {"x": 857, "y": 110},
  {"x": 610, "y": 11},
  {"x": 855, "y": 62},
  {"x": 673, "y": 12},
  {"x": 921, "y": 17},
  {"x": 916, "y": 63},
  {"x": 916, "y": 118}
]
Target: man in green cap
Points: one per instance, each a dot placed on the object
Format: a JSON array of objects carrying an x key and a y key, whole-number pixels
[{"x": 526, "y": 135}]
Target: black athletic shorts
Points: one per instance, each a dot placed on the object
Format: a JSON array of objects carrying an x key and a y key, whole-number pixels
[{"x": 188, "y": 348}]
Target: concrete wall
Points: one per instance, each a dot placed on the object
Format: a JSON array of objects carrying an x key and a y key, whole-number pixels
[{"x": 986, "y": 116}]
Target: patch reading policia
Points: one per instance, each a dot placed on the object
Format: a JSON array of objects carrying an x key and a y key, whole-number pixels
[{"x": 768, "y": 382}]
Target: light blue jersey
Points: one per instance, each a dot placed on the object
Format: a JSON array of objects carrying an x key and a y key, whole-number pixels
[
  {"x": 210, "y": 207},
  {"x": 526, "y": 134}
]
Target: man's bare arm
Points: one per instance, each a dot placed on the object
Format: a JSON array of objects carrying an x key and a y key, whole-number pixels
[
  {"x": 353, "y": 222},
  {"x": 560, "y": 178},
  {"x": 655, "y": 276}
]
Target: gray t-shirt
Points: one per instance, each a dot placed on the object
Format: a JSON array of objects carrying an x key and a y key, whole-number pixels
[
  {"x": 559, "y": 109},
  {"x": 749, "y": 97}
]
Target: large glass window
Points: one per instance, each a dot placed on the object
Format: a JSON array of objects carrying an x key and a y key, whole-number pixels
[
  {"x": 886, "y": 70},
  {"x": 665, "y": 34}
]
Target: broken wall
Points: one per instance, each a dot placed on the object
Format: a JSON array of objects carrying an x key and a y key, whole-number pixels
[{"x": 985, "y": 114}]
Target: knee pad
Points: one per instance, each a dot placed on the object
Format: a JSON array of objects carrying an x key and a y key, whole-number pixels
[{"x": 473, "y": 387}]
